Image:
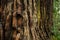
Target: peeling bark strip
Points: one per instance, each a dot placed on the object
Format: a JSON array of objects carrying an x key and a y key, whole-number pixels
[{"x": 28, "y": 29}]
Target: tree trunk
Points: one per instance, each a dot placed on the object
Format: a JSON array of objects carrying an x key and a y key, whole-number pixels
[
  {"x": 46, "y": 18},
  {"x": 32, "y": 28}
]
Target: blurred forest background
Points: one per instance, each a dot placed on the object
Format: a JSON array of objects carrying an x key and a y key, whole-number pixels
[
  {"x": 56, "y": 20},
  {"x": 40, "y": 20}
]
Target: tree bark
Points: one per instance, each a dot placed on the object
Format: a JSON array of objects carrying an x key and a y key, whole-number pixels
[
  {"x": 32, "y": 28},
  {"x": 46, "y": 18}
]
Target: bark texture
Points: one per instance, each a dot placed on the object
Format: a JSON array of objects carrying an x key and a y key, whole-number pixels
[{"x": 32, "y": 29}]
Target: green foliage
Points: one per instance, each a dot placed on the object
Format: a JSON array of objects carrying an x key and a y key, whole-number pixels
[{"x": 56, "y": 19}]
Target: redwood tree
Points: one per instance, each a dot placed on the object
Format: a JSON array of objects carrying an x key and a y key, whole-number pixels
[{"x": 32, "y": 28}]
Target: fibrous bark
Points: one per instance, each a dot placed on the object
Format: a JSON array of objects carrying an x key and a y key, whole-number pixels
[{"x": 32, "y": 30}]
